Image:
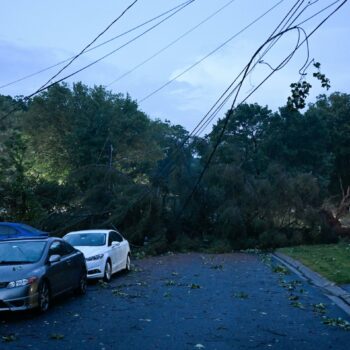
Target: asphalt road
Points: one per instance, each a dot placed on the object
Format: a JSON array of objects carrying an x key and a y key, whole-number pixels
[{"x": 186, "y": 301}]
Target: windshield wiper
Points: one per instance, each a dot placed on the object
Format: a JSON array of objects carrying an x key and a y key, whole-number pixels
[{"x": 14, "y": 262}]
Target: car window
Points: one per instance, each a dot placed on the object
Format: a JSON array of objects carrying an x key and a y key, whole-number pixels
[
  {"x": 7, "y": 230},
  {"x": 69, "y": 248},
  {"x": 119, "y": 237},
  {"x": 59, "y": 248},
  {"x": 110, "y": 238},
  {"x": 114, "y": 237}
]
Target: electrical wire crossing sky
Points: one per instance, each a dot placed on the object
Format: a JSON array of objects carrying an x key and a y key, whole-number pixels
[{"x": 37, "y": 35}]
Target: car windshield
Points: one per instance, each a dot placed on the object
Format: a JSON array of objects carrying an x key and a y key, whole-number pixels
[
  {"x": 86, "y": 239},
  {"x": 21, "y": 252}
]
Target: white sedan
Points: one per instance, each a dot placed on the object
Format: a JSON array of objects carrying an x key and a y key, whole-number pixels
[{"x": 105, "y": 251}]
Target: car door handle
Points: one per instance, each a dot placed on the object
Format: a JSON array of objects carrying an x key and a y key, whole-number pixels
[{"x": 69, "y": 262}]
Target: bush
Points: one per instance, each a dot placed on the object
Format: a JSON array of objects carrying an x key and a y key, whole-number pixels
[
  {"x": 296, "y": 238},
  {"x": 185, "y": 244},
  {"x": 272, "y": 239},
  {"x": 219, "y": 246},
  {"x": 249, "y": 243},
  {"x": 158, "y": 247}
]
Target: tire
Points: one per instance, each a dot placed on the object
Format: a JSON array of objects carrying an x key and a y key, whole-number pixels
[
  {"x": 81, "y": 290},
  {"x": 128, "y": 263},
  {"x": 108, "y": 271},
  {"x": 44, "y": 297}
]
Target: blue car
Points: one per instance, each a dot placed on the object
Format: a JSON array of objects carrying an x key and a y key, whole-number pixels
[{"x": 12, "y": 230}]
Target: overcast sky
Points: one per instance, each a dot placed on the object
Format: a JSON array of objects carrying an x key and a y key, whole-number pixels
[{"x": 35, "y": 34}]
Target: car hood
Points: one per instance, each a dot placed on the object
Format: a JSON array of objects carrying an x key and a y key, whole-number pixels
[
  {"x": 10, "y": 273},
  {"x": 91, "y": 251}
]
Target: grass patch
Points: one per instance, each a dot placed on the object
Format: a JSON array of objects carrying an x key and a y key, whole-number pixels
[{"x": 330, "y": 260}]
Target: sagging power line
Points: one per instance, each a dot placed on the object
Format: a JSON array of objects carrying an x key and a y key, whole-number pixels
[
  {"x": 89, "y": 45},
  {"x": 227, "y": 94},
  {"x": 280, "y": 66},
  {"x": 26, "y": 98},
  {"x": 95, "y": 47},
  {"x": 209, "y": 54},
  {"x": 171, "y": 43}
]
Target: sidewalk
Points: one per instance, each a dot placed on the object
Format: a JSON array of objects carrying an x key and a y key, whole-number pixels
[{"x": 337, "y": 294}]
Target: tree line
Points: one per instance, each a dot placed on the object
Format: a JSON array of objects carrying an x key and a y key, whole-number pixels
[{"x": 80, "y": 157}]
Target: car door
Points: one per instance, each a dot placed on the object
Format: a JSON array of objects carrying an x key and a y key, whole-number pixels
[
  {"x": 59, "y": 273},
  {"x": 116, "y": 251},
  {"x": 75, "y": 264},
  {"x": 123, "y": 250}
]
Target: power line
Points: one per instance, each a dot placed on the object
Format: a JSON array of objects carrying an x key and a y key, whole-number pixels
[
  {"x": 230, "y": 112},
  {"x": 88, "y": 45},
  {"x": 170, "y": 44},
  {"x": 264, "y": 53},
  {"x": 247, "y": 68},
  {"x": 94, "y": 47},
  {"x": 144, "y": 193},
  {"x": 26, "y": 98},
  {"x": 142, "y": 196},
  {"x": 227, "y": 41},
  {"x": 206, "y": 120},
  {"x": 283, "y": 25},
  {"x": 210, "y": 53},
  {"x": 281, "y": 65},
  {"x": 213, "y": 111},
  {"x": 113, "y": 51},
  {"x": 241, "y": 102}
]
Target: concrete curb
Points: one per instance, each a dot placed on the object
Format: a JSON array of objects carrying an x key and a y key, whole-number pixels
[{"x": 340, "y": 296}]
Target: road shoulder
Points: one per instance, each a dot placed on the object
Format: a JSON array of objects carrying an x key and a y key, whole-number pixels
[{"x": 337, "y": 294}]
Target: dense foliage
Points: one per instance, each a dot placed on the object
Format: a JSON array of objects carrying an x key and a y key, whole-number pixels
[{"x": 80, "y": 157}]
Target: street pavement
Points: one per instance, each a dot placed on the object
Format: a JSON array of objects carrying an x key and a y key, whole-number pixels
[{"x": 187, "y": 301}]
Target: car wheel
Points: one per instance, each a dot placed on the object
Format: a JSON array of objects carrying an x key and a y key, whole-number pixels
[
  {"x": 108, "y": 272},
  {"x": 128, "y": 263},
  {"x": 81, "y": 290},
  {"x": 44, "y": 298}
]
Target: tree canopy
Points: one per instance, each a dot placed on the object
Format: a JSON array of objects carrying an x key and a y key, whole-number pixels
[{"x": 79, "y": 157}]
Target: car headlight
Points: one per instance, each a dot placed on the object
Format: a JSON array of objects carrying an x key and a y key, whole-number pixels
[
  {"x": 95, "y": 257},
  {"x": 22, "y": 282}
]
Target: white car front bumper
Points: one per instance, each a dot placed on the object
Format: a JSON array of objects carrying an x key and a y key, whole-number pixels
[{"x": 95, "y": 268}]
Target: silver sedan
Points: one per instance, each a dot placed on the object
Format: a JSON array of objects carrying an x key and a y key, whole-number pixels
[{"x": 34, "y": 271}]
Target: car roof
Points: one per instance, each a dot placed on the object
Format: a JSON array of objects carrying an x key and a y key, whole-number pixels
[
  {"x": 90, "y": 231},
  {"x": 5, "y": 223},
  {"x": 21, "y": 225},
  {"x": 30, "y": 239}
]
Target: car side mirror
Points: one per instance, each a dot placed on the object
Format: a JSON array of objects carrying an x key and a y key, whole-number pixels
[
  {"x": 115, "y": 244},
  {"x": 54, "y": 258}
]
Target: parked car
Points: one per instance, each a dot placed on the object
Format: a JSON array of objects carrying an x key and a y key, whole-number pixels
[
  {"x": 10, "y": 230},
  {"x": 105, "y": 251},
  {"x": 35, "y": 270}
]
